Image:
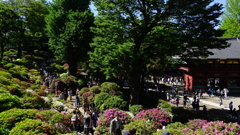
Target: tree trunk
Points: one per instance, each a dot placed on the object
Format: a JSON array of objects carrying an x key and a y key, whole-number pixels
[
  {"x": 72, "y": 66},
  {"x": 135, "y": 82}
]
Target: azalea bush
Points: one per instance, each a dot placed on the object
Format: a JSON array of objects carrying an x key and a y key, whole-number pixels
[
  {"x": 100, "y": 98},
  {"x": 156, "y": 115},
  {"x": 135, "y": 109},
  {"x": 89, "y": 96},
  {"x": 6, "y": 74},
  {"x": 141, "y": 125},
  {"x": 10, "y": 117},
  {"x": 33, "y": 127},
  {"x": 114, "y": 102},
  {"x": 83, "y": 90},
  {"x": 32, "y": 100},
  {"x": 219, "y": 127},
  {"x": 111, "y": 88},
  {"x": 61, "y": 122},
  {"x": 95, "y": 89},
  {"x": 8, "y": 101},
  {"x": 200, "y": 127},
  {"x": 104, "y": 120}
]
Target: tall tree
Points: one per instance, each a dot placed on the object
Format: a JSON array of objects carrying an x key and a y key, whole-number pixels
[
  {"x": 68, "y": 26},
  {"x": 231, "y": 19},
  {"x": 9, "y": 21},
  {"x": 31, "y": 34},
  {"x": 130, "y": 34}
]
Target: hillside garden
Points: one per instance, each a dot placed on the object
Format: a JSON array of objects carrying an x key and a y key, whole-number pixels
[{"x": 29, "y": 108}]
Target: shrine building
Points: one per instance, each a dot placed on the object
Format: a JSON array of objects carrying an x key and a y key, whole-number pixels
[{"x": 220, "y": 70}]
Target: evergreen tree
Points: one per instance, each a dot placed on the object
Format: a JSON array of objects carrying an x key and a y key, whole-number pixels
[
  {"x": 9, "y": 21},
  {"x": 68, "y": 26}
]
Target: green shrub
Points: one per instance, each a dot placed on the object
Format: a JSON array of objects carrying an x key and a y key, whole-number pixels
[
  {"x": 163, "y": 104},
  {"x": 111, "y": 88},
  {"x": 4, "y": 131},
  {"x": 61, "y": 122},
  {"x": 142, "y": 127},
  {"x": 6, "y": 74},
  {"x": 57, "y": 68},
  {"x": 171, "y": 131},
  {"x": 5, "y": 81},
  {"x": 95, "y": 89},
  {"x": 81, "y": 82},
  {"x": 40, "y": 92},
  {"x": 176, "y": 125},
  {"x": 10, "y": 117},
  {"x": 8, "y": 101},
  {"x": 45, "y": 115},
  {"x": 32, "y": 100},
  {"x": 100, "y": 98},
  {"x": 14, "y": 89},
  {"x": 8, "y": 65},
  {"x": 115, "y": 102},
  {"x": 33, "y": 127},
  {"x": 83, "y": 90},
  {"x": 135, "y": 109}
]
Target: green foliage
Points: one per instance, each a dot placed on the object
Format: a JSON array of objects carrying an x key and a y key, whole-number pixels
[
  {"x": 32, "y": 100},
  {"x": 100, "y": 99},
  {"x": 135, "y": 109},
  {"x": 111, "y": 88},
  {"x": 40, "y": 92},
  {"x": 10, "y": 117},
  {"x": 128, "y": 36},
  {"x": 95, "y": 89},
  {"x": 163, "y": 104},
  {"x": 57, "y": 68},
  {"x": 14, "y": 89},
  {"x": 230, "y": 19},
  {"x": 61, "y": 122},
  {"x": 114, "y": 102},
  {"x": 68, "y": 29},
  {"x": 176, "y": 125},
  {"x": 45, "y": 115},
  {"x": 6, "y": 74},
  {"x": 32, "y": 127},
  {"x": 81, "y": 82},
  {"x": 171, "y": 131},
  {"x": 8, "y": 65},
  {"x": 4, "y": 80},
  {"x": 4, "y": 131},
  {"x": 83, "y": 90},
  {"x": 142, "y": 127},
  {"x": 8, "y": 101},
  {"x": 8, "y": 24}
]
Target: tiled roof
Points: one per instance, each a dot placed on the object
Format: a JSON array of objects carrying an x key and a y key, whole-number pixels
[{"x": 231, "y": 52}]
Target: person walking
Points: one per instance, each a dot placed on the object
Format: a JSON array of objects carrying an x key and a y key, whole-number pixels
[
  {"x": 177, "y": 101},
  {"x": 77, "y": 100},
  {"x": 225, "y": 92},
  {"x": 230, "y": 107},
  {"x": 88, "y": 125},
  {"x": 115, "y": 126},
  {"x": 220, "y": 100}
]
